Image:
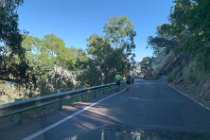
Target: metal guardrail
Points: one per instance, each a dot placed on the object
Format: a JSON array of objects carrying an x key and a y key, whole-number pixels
[{"x": 33, "y": 103}]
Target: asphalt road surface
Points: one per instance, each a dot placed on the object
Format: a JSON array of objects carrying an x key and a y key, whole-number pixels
[{"x": 147, "y": 105}]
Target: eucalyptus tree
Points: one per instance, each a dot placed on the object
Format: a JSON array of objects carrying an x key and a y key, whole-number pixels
[
  {"x": 104, "y": 56},
  {"x": 120, "y": 31},
  {"x": 146, "y": 67},
  {"x": 53, "y": 63},
  {"x": 13, "y": 65}
]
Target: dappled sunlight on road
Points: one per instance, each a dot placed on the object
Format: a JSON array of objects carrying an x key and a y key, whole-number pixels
[
  {"x": 84, "y": 125},
  {"x": 102, "y": 112},
  {"x": 76, "y": 105},
  {"x": 94, "y": 118},
  {"x": 68, "y": 107}
]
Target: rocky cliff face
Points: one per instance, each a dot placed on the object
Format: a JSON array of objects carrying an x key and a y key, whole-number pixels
[
  {"x": 205, "y": 93},
  {"x": 191, "y": 78}
]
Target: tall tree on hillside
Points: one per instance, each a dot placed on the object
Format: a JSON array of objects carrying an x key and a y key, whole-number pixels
[
  {"x": 102, "y": 53},
  {"x": 187, "y": 36},
  {"x": 9, "y": 32},
  {"x": 202, "y": 30},
  {"x": 181, "y": 36},
  {"x": 13, "y": 65},
  {"x": 192, "y": 28},
  {"x": 52, "y": 52},
  {"x": 120, "y": 32},
  {"x": 54, "y": 64},
  {"x": 146, "y": 68},
  {"x": 90, "y": 75}
]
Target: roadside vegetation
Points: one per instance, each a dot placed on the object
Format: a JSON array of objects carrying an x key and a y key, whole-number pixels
[
  {"x": 181, "y": 49},
  {"x": 32, "y": 66}
]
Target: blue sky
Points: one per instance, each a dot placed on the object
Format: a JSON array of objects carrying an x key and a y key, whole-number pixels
[{"x": 75, "y": 20}]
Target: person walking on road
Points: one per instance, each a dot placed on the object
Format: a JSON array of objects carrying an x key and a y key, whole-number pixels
[
  {"x": 118, "y": 79},
  {"x": 129, "y": 81}
]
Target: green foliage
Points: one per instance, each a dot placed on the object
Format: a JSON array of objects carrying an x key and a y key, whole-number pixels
[
  {"x": 13, "y": 65},
  {"x": 90, "y": 76},
  {"x": 100, "y": 68},
  {"x": 146, "y": 67},
  {"x": 9, "y": 32},
  {"x": 53, "y": 63},
  {"x": 194, "y": 73},
  {"x": 120, "y": 32},
  {"x": 110, "y": 54},
  {"x": 187, "y": 36},
  {"x": 117, "y": 29},
  {"x": 50, "y": 65},
  {"x": 102, "y": 53}
]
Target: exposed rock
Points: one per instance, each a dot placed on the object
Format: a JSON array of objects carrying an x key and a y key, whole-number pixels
[{"x": 205, "y": 94}]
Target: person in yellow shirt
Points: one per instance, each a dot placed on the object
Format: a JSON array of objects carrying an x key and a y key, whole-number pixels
[{"x": 118, "y": 79}]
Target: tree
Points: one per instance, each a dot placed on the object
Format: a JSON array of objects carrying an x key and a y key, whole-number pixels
[
  {"x": 165, "y": 40},
  {"x": 201, "y": 30},
  {"x": 146, "y": 68},
  {"x": 52, "y": 49},
  {"x": 13, "y": 65},
  {"x": 75, "y": 59},
  {"x": 179, "y": 36},
  {"x": 90, "y": 75},
  {"x": 100, "y": 51},
  {"x": 191, "y": 27},
  {"x": 9, "y": 32},
  {"x": 187, "y": 37},
  {"x": 112, "y": 53},
  {"x": 120, "y": 32},
  {"x": 54, "y": 64}
]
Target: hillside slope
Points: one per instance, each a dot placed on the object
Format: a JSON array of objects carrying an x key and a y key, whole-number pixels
[{"x": 191, "y": 79}]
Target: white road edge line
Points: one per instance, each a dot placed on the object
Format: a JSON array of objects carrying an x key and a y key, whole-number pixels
[
  {"x": 38, "y": 133},
  {"x": 184, "y": 94}
]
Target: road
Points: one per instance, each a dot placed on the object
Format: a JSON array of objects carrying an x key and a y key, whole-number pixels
[{"x": 147, "y": 105}]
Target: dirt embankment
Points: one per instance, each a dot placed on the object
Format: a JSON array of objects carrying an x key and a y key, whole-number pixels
[
  {"x": 200, "y": 93},
  {"x": 205, "y": 94}
]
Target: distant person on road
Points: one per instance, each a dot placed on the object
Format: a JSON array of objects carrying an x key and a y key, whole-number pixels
[
  {"x": 118, "y": 79},
  {"x": 129, "y": 80}
]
